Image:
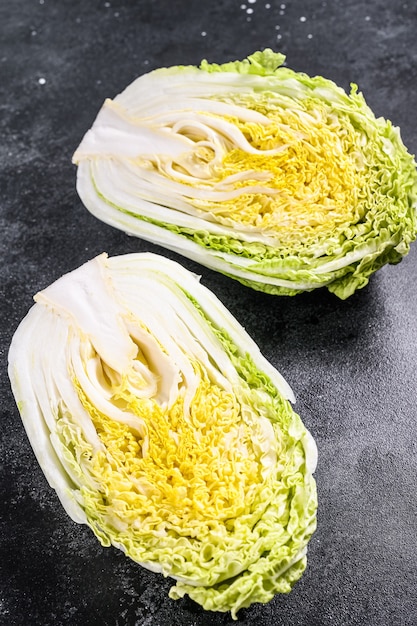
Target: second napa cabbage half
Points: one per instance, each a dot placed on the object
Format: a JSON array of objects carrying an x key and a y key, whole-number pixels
[
  {"x": 160, "y": 425},
  {"x": 280, "y": 180}
]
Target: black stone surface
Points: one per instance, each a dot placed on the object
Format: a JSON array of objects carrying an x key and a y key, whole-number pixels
[{"x": 351, "y": 364}]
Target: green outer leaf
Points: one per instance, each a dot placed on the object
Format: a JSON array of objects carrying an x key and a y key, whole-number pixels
[{"x": 262, "y": 63}]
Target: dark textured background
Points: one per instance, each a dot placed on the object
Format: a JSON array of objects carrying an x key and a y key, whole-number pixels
[{"x": 351, "y": 364}]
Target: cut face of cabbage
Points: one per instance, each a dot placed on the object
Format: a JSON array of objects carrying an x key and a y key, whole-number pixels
[
  {"x": 279, "y": 180},
  {"x": 159, "y": 424}
]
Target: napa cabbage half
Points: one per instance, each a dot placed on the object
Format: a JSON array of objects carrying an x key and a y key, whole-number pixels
[
  {"x": 159, "y": 424},
  {"x": 283, "y": 181}
]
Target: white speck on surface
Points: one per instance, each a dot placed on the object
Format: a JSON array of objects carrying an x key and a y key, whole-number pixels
[
  {"x": 303, "y": 18},
  {"x": 33, "y": 33},
  {"x": 107, "y": 5},
  {"x": 309, "y": 36},
  {"x": 251, "y": 1},
  {"x": 78, "y": 20},
  {"x": 116, "y": 14},
  {"x": 41, "y": 1},
  {"x": 367, "y": 18},
  {"x": 277, "y": 27},
  {"x": 243, "y": 7},
  {"x": 203, "y": 33},
  {"x": 279, "y": 36},
  {"x": 3, "y": 609},
  {"x": 41, "y": 81},
  {"x": 248, "y": 19},
  {"x": 146, "y": 62},
  {"x": 249, "y": 11},
  {"x": 267, "y": 6},
  {"x": 282, "y": 6},
  {"x": 282, "y": 12}
]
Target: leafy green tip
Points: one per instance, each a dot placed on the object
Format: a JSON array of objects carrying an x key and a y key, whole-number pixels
[{"x": 263, "y": 62}]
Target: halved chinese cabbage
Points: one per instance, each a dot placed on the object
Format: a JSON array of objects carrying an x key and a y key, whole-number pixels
[
  {"x": 159, "y": 424},
  {"x": 278, "y": 179}
]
